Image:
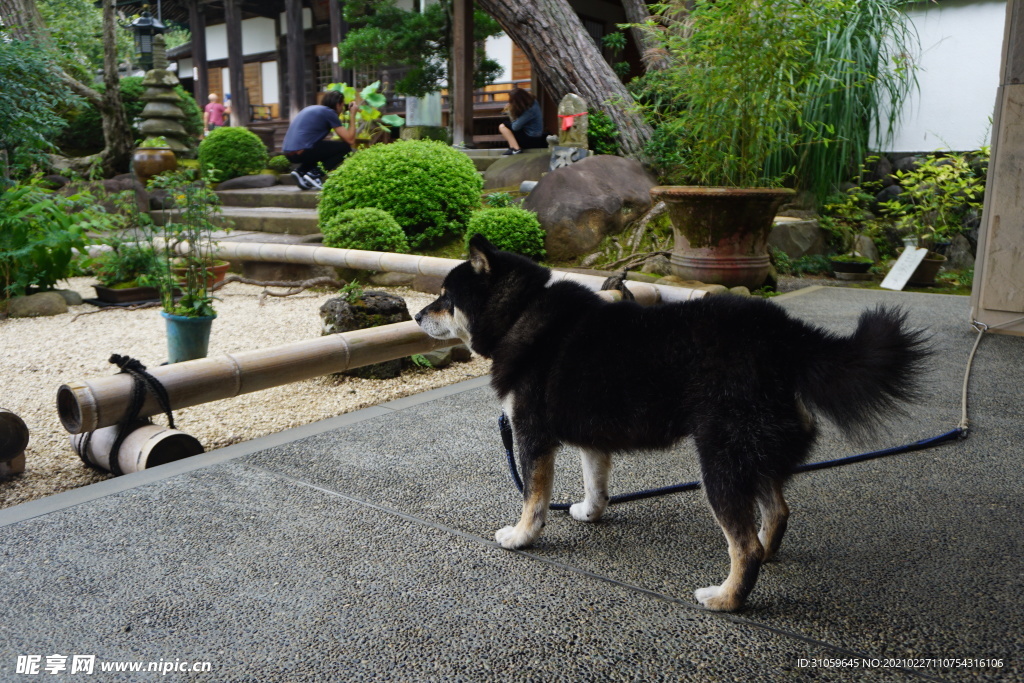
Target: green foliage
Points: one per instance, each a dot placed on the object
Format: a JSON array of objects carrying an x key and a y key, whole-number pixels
[
  {"x": 382, "y": 34},
  {"x": 498, "y": 200},
  {"x": 759, "y": 91},
  {"x": 368, "y": 117},
  {"x": 616, "y": 43},
  {"x": 366, "y": 229},
  {"x": 76, "y": 30},
  {"x": 850, "y": 258},
  {"x": 938, "y": 194},
  {"x": 812, "y": 265},
  {"x": 602, "y": 134},
  {"x": 128, "y": 265},
  {"x": 84, "y": 132},
  {"x": 351, "y": 291},
  {"x": 153, "y": 142},
  {"x": 427, "y": 186},
  {"x": 421, "y": 361},
  {"x": 280, "y": 164},
  {"x": 39, "y": 233},
  {"x": 30, "y": 93},
  {"x": 231, "y": 152},
  {"x": 511, "y": 229},
  {"x": 780, "y": 259},
  {"x": 188, "y": 230}
]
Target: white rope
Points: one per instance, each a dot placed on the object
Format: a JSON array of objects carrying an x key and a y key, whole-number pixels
[{"x": 982, "y": 328}]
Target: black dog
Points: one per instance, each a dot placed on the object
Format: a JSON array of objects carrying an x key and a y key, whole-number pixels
[{"x": 739, "y": 375}]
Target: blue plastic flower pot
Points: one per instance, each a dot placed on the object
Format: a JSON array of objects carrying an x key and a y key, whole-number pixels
[{"x": 187, "y": 338}]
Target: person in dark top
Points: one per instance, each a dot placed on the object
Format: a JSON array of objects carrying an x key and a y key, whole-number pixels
[
  {"x": 525, "y": 129},
  {"x": 305, "y": 143}
]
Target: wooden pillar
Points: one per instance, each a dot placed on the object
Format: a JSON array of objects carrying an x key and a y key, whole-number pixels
[
  {"x": 296, "y": 50},
  {"x": 997, "y": 297},
  {"x": 197, "y": 27},
  {"x": 461, "y": 79},
  {"x": 236, "y": 63},
  {"x": 339, "y": 29}
]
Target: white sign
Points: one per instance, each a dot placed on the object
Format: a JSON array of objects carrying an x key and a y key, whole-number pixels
[{"x": 904, "y": 267}]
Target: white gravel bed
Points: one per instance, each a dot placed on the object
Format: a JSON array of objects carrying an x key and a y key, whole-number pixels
[{"x": 38, "y": 355}]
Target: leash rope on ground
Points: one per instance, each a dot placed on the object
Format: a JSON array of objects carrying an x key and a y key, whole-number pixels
[{"x": 960, "y": 432}]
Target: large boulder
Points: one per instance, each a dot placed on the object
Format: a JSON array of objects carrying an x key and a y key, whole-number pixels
[
  {"x": 249, "y": 182},
  {"x": 371, "y": 309},
  {"x": 798, "y": 237},
  {"x": 581, "y": 204},
  {"x": 37, "y": 305},
  {"x": 512, "y": 170}
]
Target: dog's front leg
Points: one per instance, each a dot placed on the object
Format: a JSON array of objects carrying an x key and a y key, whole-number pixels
[
  {"x": 596, "y": 465},
  {"x": 538, "y": 475}
]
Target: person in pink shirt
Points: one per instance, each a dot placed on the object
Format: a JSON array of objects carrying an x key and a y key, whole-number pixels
[{"x": 213, "y": 114}]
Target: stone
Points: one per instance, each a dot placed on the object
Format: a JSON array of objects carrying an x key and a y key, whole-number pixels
[
  {"x": 461, "y": 353},
  {"x": 54, "y": 181},
  {"x": 572, "y": 121},
  {"x": 959, "y": 255},
  {"x": 863, "y": 245},
  {"x": 249, "y": 182},
  {"x": 71, "y": 297},
  {"x": 657, "y": 264},
  {"x": 169, "y": 128},
  {"x": 798, "y": 238},
  {"x": 158, "y": 109},
  {"x": 272, "y": 271},
  {"x": 740, "y": 291},
  {"x": 580, "y": 205},
  {"x": 563, "y": 156},
  {"x": 37, "y": 305},
  {"x": 392, "y": 279},
  {"x": 429, "y": 284},
  {"x": 371, "y": 309},
  {"x": 441, "y": 358},
  {"x": 160, "y": 78},
  {"x": 512, "y": 170},
  {"x": 714, "y": 290}
]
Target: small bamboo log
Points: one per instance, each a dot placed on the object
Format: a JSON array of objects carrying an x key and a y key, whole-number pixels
[
  {"x": 13, "y": 436},
  {"x": 147, "y": 445},
  {"x": 93, "y": 404}
]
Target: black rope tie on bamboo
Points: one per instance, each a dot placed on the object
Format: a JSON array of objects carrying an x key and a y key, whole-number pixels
[{"x": 141, "y": 382}]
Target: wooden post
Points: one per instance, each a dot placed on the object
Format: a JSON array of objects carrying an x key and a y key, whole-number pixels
[
  {"x": 461, "y": 81},
  {"x": 338, "y": 30},
  {"x": 236, "y": 63},
  {"x": 997, "y": 297},
  {"x": 296, "y": 57},
  {"x": 197, "y": 27}
]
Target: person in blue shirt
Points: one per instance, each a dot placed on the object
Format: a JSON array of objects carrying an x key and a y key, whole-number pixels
[
  {"x": 305, "y": 143},
  {"x": 525, "y": 129}
]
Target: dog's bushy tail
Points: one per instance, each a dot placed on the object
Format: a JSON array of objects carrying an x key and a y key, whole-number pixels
[{"x": 854, "y": 381}]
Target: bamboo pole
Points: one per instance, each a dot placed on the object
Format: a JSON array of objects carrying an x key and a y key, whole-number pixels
[
  {"x": 88, "y": 405},
  {"x": 645, "y": 293}
]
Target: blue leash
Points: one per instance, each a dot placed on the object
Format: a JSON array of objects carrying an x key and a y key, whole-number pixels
[{"x": 506, "y": 437}]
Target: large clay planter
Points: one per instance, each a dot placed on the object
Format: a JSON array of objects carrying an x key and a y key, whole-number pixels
[
  {"x": 214, "y": 273},
  {"x": 152, "y": 161},
  {"x": 721, "y": 233},
  {"x": 924, "y": 274}
]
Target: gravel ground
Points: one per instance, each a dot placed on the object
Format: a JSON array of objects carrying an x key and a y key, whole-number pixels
[{"x": 40, "y": 354}]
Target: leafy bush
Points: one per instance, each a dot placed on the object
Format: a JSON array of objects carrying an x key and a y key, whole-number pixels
[
  {"x": 427, "y": 186},
  {"x": 231, "y": 152},
  {"x": 39, "y": 233},
  {"x": 511, "y": 229},
  {"x": 498, "y": 200},
  {"x": 367, "y": 229},
  {"x": 602, "y": 135},
  {"x": 280, "y": 164}
]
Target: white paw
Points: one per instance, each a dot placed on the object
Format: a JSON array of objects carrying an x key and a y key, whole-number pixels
[
  {"x": 511, "y": 538},
  {"x": 715, "y": 599},
  {"x": 584, "y": 512}
]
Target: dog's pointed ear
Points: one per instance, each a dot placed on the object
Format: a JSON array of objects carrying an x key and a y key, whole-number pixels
[{"x": 480, "y": 253}]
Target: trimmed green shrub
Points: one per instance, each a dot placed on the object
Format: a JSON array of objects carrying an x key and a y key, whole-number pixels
[
  {"x": 232, "y": 152},
  {"x": 280, "y": 164},
  {"x": 367, "y": 229},
  {"x": 511, "y": 229},
  {"x": 429, "y": 188}
]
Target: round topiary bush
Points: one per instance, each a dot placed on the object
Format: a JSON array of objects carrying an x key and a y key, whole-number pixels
[
  {"x": 510, "y": 228},
  {"x": 367, "y": 229},
  {"x": 232, "y": 152},
  {"x": 279, "y": 164},
  {"x": 429, "y": 188}
]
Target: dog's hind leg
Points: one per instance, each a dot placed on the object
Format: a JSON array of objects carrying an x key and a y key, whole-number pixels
[
  {"x": 745, "y": 556},
  {"x": 596, "y": 466},
  {"x": 538, "y": 477},
  {"x": 774, "y": 516}
]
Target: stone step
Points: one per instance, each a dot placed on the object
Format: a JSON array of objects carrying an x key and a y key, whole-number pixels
[
  {"x": 266, "y": 219},
  {"x": 280, "y": 196}
]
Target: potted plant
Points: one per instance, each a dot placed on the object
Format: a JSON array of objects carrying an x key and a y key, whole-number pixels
[
  {"x": 731, "y": 101},
  {"x": 938, "y": 195},
  {"x": 152, "y": 157},
  {"x": 849, "y": 222},
  {"x": 372, "y": 126},
  {"x": 188, "y": 236}
]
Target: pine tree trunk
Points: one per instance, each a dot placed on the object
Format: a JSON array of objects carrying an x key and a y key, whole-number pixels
[
  {"x": 637, "y": 12},
  {"x": 565, "y": 59}
]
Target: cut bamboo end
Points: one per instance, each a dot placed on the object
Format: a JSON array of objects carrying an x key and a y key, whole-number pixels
[
  {"x": 146, "y": 446},
  {"x": 13, "y": 436}
]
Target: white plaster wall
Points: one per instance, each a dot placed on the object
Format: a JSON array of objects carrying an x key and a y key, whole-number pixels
[
  {"x": 268, "y": 77},
  {"x": 961, "y": 49},
  {"x": 500, "y": 50},
  {"x": 307, "y": 20},
  {"x": 257, "y": 37}
]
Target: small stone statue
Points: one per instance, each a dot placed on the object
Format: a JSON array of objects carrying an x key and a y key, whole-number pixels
[{"x": 572, "y": 121}]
